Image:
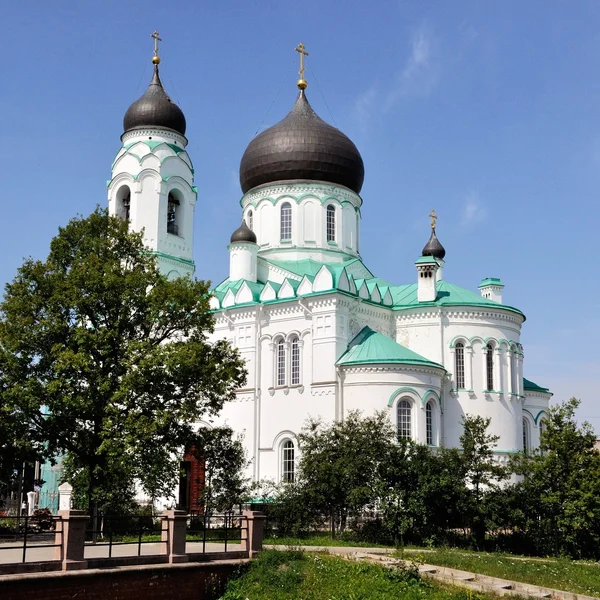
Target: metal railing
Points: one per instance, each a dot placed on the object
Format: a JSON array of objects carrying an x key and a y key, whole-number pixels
[
  {"x": 126, "y": 530},
  {"x": 226, "y": 529},
  {"x": 23, "y": 533}
]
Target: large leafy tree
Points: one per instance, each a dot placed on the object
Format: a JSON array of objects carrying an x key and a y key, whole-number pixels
[
  {"x": 117, "y": 353},
  {"x": 340, "y": 464},
  {"x": 560, "y": 491}
]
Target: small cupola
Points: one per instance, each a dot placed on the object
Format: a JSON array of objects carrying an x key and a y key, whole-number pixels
[
  {"x": 430, "y": 265},
  {"x": 491, "y": 288},
  {"x": 243, "y": 253}
]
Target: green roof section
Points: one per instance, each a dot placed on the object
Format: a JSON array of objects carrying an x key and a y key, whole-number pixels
[
  {"x": 372, "y": 347},
  {"x": 530, "y": 386},
  {"x": 311, "y": 267},
  {"x": 490, "y": 281},
  {"x": 448, "y": 294},
  {"x": 426, "y": 260}
]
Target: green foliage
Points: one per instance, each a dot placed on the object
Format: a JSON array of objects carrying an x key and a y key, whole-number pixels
[
  {"x": 560, "y": 493},
  {"x": 293, "y": 574},
  {"x": 481, "y": 473},
  {"x": 561, "y": 574},
  {"x": 339, "y": 464},
  {"x": 116, "y": 352},
  {"x": 224, "y": 461}
]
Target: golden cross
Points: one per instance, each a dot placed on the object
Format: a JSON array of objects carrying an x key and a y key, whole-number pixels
[
  {"x": 156, "y": 40},
  {"x": 302, "y": 51},
  {"x": 433, "y": 218}
]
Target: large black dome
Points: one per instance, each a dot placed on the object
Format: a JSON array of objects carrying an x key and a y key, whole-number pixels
[
  {"x": 155, "y": 109},
  {"x": 302, "y": 146}
]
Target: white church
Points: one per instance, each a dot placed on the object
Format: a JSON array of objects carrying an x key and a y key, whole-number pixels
[{"x": 321, "y": 334}]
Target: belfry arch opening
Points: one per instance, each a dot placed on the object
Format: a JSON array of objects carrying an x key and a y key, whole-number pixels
[
  {"x": 174, "y": 212},
  {"x": 123, "y": 203}
]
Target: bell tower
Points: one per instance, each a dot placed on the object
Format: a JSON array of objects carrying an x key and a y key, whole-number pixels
[{"x": 152, "y": 184}]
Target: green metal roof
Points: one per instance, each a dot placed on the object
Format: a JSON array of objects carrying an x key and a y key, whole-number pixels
[
  {"x": 534, "y": 387},
  {"x": 448, "y": 294},
  {"x": 369, "y": 347},
  {"x": 490, "y": 281}
]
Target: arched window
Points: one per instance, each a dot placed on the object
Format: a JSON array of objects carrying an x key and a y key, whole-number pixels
[
  {"x": 288, "y": 464},
  {"x": 404, "y": 420},
  {"x": 526, "y": 436},
  {"x": 459, "y": 365},
  {"x": 280, "y": 367},
  {"x": 251, "y": 220},
  {"x": 489, "y": 364},
  {"x": 285, "y": 232},
  {"x": 542, "y": 428},
  {"x": 429, "y": 423},
  {"x": 172, "y": 214},
  {"x": 295, "y": 362},
  {"x": 331, "y": 223}
]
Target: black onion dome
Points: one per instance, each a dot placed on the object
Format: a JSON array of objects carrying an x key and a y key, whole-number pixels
[
  {"x": 302, "y": 146},
  {"x": 155, "y": 109},
  {"x": 243, "y": 234},
  {"x": 433, "y": 247}
]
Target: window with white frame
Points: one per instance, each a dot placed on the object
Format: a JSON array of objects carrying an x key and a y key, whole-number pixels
[
  {"x": 288, "y": 464},
  {"x": 526, "y": 436},
  {"x": 250, "y": 218},
  {"x": 459, "y": 365},
  {"x": 295, "y": 361},
  {"x": 331, "y": 223},
  {"x": 429, "y": 423},
  {"x": 280, "y": 362},
  {"x": 489, "y": 367},
  {"x": 404, "y": 420},
  {"x": 285, "y": 231}
]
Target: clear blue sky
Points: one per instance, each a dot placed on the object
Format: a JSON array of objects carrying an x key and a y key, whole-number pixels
[{"x": 487, "y": 111}]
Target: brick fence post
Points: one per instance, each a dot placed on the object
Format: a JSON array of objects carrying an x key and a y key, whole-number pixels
[
  {"x": 72, "y": 539},
  {"x": 173, "y": 533},
  {"x": 252, "y": 537}
]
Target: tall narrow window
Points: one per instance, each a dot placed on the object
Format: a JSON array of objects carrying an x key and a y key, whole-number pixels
[
  {"x": 127, "y": 206},
  {"x": 404, "y": 420},
  {"x": 288, "y": 465},
  {"x": 489, "y": 364},
  {"x": 286, "y": 222},
  {"x": 429, "y": 423},
  {"x": 172, "y": 209},
  {"x": 542, "y": 428},
  {"x": 459, "y": 365},
  {"x": 331, "y": 223},
  {"x": 357, "y": 233},
  {"x": 295, "y": 363},
  {"x": 513, "y": 372},
  {"x": 526, "y": 436},
  {"x": 251, "y": 220},
  {"x": 280, "y": 362}
]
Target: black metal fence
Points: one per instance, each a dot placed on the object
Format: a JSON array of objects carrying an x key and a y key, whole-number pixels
[
  {"x": 19, "y": 534},
  {"x": 226, "y": 529},
  {"x": 126, "y": 530}
]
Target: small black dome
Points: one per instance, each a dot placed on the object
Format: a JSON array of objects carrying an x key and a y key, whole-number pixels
[
  {"x": 155, "y": 109},
  {"x": 433, "y": 247},
  {"x": 302, "y": 146},
  {"x": 243, "y": 234}
]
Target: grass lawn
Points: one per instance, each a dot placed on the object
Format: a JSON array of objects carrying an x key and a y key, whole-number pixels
[
  {"x": 561, "y": 574},
  {"x": 318, "y": 540},
  {"x": 294, "y": 575}
]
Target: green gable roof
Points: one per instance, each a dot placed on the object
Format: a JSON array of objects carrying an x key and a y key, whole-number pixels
[
  {"x": 534, "y": 387},
  {"x": 369, "y": 347}
]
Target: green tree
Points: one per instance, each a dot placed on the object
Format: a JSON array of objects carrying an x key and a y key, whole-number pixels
[
  {"x": 117, "y": 353},
  {"x": 482, "y": 473},
  {"x": 421, "y": 492},
  {"x": 561, "y": 487},
  {"x": 340, "y": 464},
  {"x": 224, "y": 459}
]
